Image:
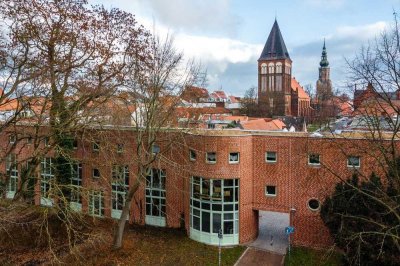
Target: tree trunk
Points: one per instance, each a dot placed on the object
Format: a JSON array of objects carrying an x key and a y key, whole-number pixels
[{"x": 119, "y": 231}]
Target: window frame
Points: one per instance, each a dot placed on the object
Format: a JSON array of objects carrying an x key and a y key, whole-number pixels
[
  {"x": 354, "y": 166},
  {"x": 211, "y": 162},
  {"x": 93, "y": 171},
  {"x": 268, "y": 194},
  {"x": 120, "y": 148},
  {"x": 96, "y": 146},
  {"x": 191, "y": 157},
  {"x": 312, "y": 209},
  {"x": 309, "y": 159},
  {"x": 12, "y": 139},
  {"x": 269, "y": 161},
  {"x": 238, "y": 158}
]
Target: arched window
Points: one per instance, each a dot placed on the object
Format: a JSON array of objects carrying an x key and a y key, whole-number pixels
[
  {"x": 278, "y": 67},
  {"x": 271, "y": 68},
  {"x": 264, "y": 68}
]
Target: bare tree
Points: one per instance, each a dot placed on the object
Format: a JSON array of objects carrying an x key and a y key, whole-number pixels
[
  {"x": 61, "y": 61},
  {"x": 370, "y": 234},
  {"x": 156, "y": 91}
]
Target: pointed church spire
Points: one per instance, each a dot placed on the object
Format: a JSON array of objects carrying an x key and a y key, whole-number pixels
[
  {"x": 275, "y": 47},
  {"x": 324, "y": 57}
]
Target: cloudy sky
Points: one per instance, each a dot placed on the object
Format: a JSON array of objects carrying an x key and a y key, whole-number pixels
[{"x": 227, "y": 36}]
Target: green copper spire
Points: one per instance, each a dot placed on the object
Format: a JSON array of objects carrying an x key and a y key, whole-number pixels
[{"x": 324, "y": 58}]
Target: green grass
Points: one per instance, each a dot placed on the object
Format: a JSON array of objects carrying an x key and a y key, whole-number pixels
[
  {"x": 311, "y": 257},
  {"x": 312, "y": 127}
]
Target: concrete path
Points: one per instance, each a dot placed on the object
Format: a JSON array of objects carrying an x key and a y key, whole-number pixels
[
  {"x": 256, "y": 257},
  {"x": 271, "y": 232}
]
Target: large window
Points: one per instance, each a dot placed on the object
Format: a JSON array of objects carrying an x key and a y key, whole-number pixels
[
  {"x": 47, "y": 176},
  {"x": 12, "y": 173},
  {"x": 96, "y": 203},
  {"x": 76, "y": 187},
  {"x": 155, "y": 197},
  {"x": 120, "y": 186},
  {"x": 214, "y": 205}
]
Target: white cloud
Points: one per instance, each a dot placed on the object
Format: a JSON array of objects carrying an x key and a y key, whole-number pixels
[
  {"x": 201, "y": 16},
  {"x": 362, "y": 32}
]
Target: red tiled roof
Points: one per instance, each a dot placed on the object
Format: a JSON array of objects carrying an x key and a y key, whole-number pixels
[
  {"x": 263, "y": 124},
  {"x": 297, "y": 87}
]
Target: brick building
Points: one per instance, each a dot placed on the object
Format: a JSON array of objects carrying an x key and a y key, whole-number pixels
[
  {"x": 278, "y": 92},
  {"x": 207, "y": 180}
]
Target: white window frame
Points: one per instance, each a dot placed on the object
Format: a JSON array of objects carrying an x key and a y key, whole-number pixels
[
  {"x": 268, "y": 194},
  {"x": 211, "y": 162},
  {"x": 47, "y": 176},
  {"x": 93, "y": 197},
  {"x": 238, "y": 158},
  {"x": 119, "y": 188},
  {"x": 12, "y": 172},
  {"x": 314, "y": 164},
  {"x": 76, "y": 187},
  {"x": 269, "y": 161},
  {"x": 93, "y": 170},
  {"x": 12, "y": 139},
  {"x": 155, "y": 192},
  {"x": 192, "y": 155},
  {"x": 96, "y": 146},
  {"x": 351, "y": 165}
]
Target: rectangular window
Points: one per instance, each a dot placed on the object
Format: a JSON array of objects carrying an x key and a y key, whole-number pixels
[
  {"x": 270, "y": 156},
  {"x": 155, "y": 194},
  {"x": 96, "y": 173},
  {"x": 47, "y": 176},
  {"x": 76, "y": 183},
  {"x": 12, "y": 173},
  {"x": 96, "y": 146},
  {"x": 211, "y": 157},
  {"x": 120, "y": 148},
  {"x": 270, "y": 190},
  {"x": 96, "y": 203},
  {"x": 263, "y": 83},
  {"x": 12, "y": 139},
  {"x": 313, "y": 159},
  {"x": 120, "y": 186},
  {"x": 155, "y": 149},
  {"x": 75, "y": 144},
  {"x": 233, "y": 157},
  {"x": 353, "y": 161},
  {"x": 47, "y": 142},
  {"x": 192, "y": 155}
]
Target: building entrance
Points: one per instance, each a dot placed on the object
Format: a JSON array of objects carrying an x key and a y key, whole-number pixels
[{"x": 271, "y": 231}]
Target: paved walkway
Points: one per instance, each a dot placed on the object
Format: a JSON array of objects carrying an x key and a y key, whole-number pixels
[
  {"x": 271, "y": 234},
  {"x": 256, "y": 257}
]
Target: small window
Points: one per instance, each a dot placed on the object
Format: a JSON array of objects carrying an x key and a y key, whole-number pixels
[
  {"x": 155, "y": 149},
  {"x": 47, "y": 141},
  {"x": 270, "y": 156},
  {"x": 192, "y": 155},
  {"x": 211, "y": 157},
  {"x": 120, "y": 148},
  {"x": 270, "y": 190},
  {"x": 96, "y": 173},
  {"x": 29, "y": 140},
  {"x": 313, "y": 159},
  {"x": 353, "y": 161},
  {"x": 75, "y": 144},
  {"x": 96, "y": 146},
  {"x": 313, "y": 204},
  {"x": 13, "y": 139},
  {"x": 233, "y": 157}
]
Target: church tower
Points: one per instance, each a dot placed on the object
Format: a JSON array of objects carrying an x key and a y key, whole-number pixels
[
  {"x": 324, "y": 84},
  {"x": 274, "y": 75}
]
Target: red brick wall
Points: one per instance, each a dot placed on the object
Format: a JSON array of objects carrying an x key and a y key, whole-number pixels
[{"x": 296, "y": 181}]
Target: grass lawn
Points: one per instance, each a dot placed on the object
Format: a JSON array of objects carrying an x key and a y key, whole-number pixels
[
  {"x": 159, "y": 246},
  {"x": 311, "y": 257}
]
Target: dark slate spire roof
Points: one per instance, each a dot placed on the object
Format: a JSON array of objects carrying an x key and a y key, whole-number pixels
[
  {"x": 324, "y": 57},
  {"x": 275, "y": 47}
]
